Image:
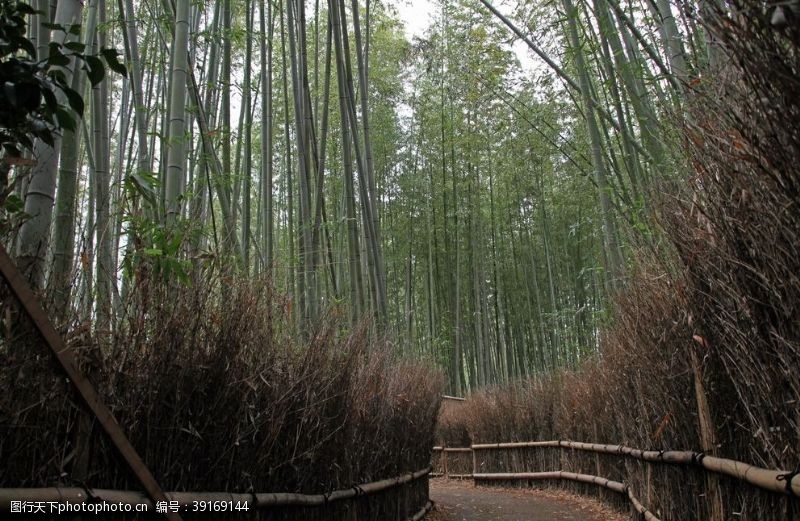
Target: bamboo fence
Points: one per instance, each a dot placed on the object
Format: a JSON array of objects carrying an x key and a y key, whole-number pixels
[
  {"x": 616, "y": 486},
  {"x": 454, "y": 462},
  {"x": 778, "y": 481},
  {"x": 74, "y": 495},
  {"x": 775, "y": 481}
]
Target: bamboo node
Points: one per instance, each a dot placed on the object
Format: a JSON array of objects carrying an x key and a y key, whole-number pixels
[
  {"x": 788, "y": 477},
  {"x": 697, "y": 458}
]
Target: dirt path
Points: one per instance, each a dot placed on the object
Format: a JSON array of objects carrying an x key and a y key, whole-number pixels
[{"x": 462, "y": 501}]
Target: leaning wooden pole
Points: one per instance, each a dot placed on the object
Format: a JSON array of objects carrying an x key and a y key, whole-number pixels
[{"x": 66, "y": 358}]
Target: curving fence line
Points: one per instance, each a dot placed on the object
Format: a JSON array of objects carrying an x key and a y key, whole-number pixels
[
  {"x": 74, "y": 495},
  {"x": 616, "y": 486},
  {"x": 775, "y": 481},
  {"x": 778, "y": 481}
]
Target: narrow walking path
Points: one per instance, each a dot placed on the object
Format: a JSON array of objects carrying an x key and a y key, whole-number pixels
[{"x": 462, "y": 501}]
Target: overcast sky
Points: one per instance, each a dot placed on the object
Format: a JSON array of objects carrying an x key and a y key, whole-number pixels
[{"x": 417, "y": 16}]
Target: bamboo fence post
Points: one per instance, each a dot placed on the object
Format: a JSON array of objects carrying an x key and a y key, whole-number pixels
[
  {"x": 474, "y": 465},
  {"x": 616, "y": 486},
  {"x": 597, "y": 470},
  {"x": 708, "y": 436}
]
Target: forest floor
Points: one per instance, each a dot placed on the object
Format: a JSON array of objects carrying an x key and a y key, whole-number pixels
[{"x": 462, "y": 501}]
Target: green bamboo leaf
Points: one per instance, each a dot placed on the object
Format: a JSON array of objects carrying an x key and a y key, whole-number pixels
[
  {"x": 112, "y": 59},
  {"x": 75, "y": 100},
  {"x": 95, "y": 69}
]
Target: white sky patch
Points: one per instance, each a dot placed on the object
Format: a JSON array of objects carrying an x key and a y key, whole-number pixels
[{"x": 418, "y": 15}]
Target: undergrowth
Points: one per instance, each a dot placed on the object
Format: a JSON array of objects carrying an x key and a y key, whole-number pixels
[{"x": 217, "y": 394}]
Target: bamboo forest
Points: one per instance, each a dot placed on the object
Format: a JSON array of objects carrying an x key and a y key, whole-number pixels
[{"x": 388, "y": 259}]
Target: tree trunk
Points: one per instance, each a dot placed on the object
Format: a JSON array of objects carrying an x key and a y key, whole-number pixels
[{"x": 34, "y": 235}]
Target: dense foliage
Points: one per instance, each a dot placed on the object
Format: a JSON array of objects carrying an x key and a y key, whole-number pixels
[
  {"x": 595, "y": 194},
  {"x": 478, "y": 209}
]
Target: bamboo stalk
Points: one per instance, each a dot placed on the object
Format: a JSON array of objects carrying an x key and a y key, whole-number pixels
[
  {"x": 515, "y": 445},
  {"x": 259, "y": 500}
]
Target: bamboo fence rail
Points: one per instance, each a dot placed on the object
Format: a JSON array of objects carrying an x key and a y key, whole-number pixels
[
  {"x": 445, "y": 465},
  {"x": 75, "y": 495},
  {"x": 423, "y": 511},
  {"x": 452, "y": 476},
  {"x": 616, "y": 486},
  {"x": 778, "y": 481}
]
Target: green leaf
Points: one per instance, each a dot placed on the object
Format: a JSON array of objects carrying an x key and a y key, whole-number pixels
[
  {"x": 50, "y": 100},
  {"x": 14, "y": 204},
  {"x": 11, "y": 150},
  {"x": 75, "y": 46},
  {"x": 112, "y": 58},
  {"x": 53, "y": 27},
  {"x": 27, "y": 46},
  {"x": 144, "y": 187},
  {"x": 65, "y": 119},
  {"x": 75, "y": 100},
  {"x": 26, "y": 9},
  {"x": 57, "y": 58},
  {"x": 58, "y": 76},
  {"x": 95, "y": 69}
]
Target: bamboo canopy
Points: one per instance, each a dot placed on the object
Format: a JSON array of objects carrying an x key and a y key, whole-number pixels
[
  {"x": 76, "y": 495},
  {"x": 779, "y": 481}
]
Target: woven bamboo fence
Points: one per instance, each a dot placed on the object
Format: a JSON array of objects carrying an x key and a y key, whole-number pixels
[
  {"x": 631, "y": 473},
  {"x": 400, "y": 498},
  {"x": 454, "y": 463}
]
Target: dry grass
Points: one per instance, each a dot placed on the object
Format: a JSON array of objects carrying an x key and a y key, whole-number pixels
[{"x": 216, "y": 393}]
